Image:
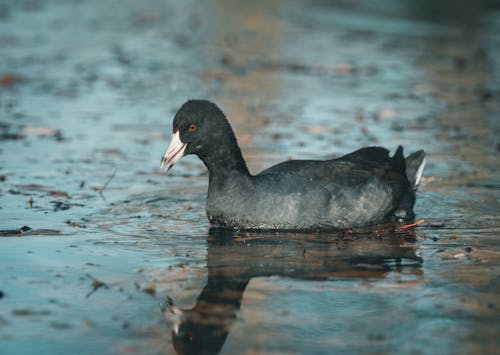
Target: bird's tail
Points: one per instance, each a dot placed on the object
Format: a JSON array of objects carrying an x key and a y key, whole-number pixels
[
  {"x": 413, "y": 167},
  {"x": 415, "y": 164}
]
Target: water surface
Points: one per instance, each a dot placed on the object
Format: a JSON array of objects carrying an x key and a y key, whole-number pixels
[{"x": 119, "y": 258}]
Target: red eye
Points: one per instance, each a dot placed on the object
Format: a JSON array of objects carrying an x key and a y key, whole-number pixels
[{"x": 192, "y": 127}]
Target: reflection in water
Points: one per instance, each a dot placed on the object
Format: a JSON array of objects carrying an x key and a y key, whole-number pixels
[{"x": 234, "y": 259}]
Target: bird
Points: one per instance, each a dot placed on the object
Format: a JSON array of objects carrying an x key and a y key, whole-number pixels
[{"x": 363, "y": 188}]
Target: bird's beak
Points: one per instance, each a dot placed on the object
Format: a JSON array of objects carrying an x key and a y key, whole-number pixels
[{"x": 174, "y": 152}]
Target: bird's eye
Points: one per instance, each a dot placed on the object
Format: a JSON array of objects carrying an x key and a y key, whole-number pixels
[{"x": 193, "y": 127}]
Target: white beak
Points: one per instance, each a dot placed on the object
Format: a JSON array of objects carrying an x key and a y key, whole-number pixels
[{"x": 174, "y": 152}]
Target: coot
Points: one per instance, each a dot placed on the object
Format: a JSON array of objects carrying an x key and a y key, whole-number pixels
[{"x": 361, "y": 188}]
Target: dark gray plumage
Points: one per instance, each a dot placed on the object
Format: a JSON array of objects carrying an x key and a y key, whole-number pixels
[{"x": 362, "y": 188}]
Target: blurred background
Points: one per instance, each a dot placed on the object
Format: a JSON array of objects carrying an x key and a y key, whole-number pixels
[{"x": 88, "y": 91}]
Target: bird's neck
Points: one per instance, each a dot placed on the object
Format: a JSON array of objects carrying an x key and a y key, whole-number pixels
[{"x": 225, "y": 161}]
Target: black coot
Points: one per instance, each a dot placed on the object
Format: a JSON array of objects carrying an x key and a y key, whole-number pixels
[{"x": 361, "y": 188}]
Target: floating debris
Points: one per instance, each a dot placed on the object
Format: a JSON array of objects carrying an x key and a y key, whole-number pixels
[
  {"x": 151, "y": 290},
  {"x": 102, "y": 188},
  {"x": 75, "y": 224},
  {"x": 9, "y": 79},
  {"x": 96, "y": 284},
  {"x": 406, "y": 226},
  {"x": 15, "y": 232}
]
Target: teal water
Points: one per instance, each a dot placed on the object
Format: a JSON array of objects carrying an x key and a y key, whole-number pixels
[{"x": 87, "y": 94}]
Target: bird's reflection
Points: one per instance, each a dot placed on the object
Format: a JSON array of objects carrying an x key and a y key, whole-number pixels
[{"x": 235, "y": 258}]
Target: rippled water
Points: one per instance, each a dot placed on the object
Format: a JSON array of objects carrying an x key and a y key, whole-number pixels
[{"x": 120, "y": 259}]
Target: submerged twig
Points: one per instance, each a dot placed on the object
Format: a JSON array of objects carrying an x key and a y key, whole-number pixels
[
  {"x": 101, "y": 190},
  {"x": 96, "y": 284},
  {"x": 406, "y": 226}
]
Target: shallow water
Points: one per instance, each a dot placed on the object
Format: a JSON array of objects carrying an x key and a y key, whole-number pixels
[{"x": 120, "y": 259}]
